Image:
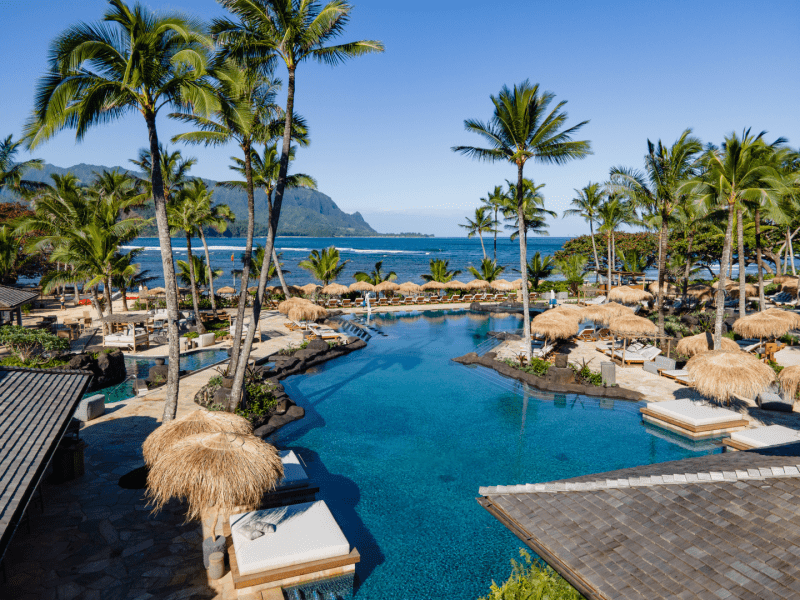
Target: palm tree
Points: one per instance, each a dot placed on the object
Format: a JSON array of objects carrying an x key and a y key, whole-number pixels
[
  {"x": 535, "y": 215},
  {"x": 127, "y": 274},
  {"x": 271, "y": 30},
  {"x": 612, "y": 214},
  {"x": 495, "y": 200},
  {"x": 587, "y": 202},
  {"x": 522, "y": 128},
  {"x": 684, "y": 220},
  {"x": 376, "y": 276},
  {"x": 11, "y": 172},
  {"x": 440, "y": 271},
  {"x": 174, "y": 170},
  {"x": 657, "y": 190},
  {"x": 539, "y": 267},
  {"x": 212, "y": 216},
  {"x": 136, "y": 61},
  {"x": 11, "y": 257},
  {"x": 203, "y": 276},
  {"x": 323, "y": 265},
  {"x": 738, "y": 171},
  {"x": 483, "y": 223},
  {"x": 258, "y": 261},
  {"x": 490, "y": 270},
  {"x": 572, "y": 269}
]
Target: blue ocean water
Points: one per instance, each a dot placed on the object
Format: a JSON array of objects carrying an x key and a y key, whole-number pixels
[
  {"x": 408, "y": 257},
  {"x": 399, "y": 438}
]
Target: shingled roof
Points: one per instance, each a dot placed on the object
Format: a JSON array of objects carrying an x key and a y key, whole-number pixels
[
  {"x": 35, "y": 408},
  {"x": 714, "y": 526},
  {"x": 11, "y": 297}
]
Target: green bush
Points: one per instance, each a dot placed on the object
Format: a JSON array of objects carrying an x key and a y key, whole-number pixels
[
  {"x": 537, "y": 367},
  {"x": 192, "y": 335},
  {"x": 587, "y": 375},
  {"x": 775, "y": 366},
  {"x": 532, "y": 580},
  {"x": 260, "y": 400},
  {"x": 31, "y": 347},
  {"x": 53, "y": 363},
  {"x": 215, "y": 380}
]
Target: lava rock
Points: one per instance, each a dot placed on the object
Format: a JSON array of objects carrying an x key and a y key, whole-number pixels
[
  {"x": 110, "y": 368},
  {"x": 690, "y": 320},
  {"x": 306, "y": 354},
  {"x": 81, "y": 362},
  {"x": 283, "y": 406},
  {"x": 560, "y": 375},
  {"x": 157, "y": 373},
  {"x": 317, "y": 346},
  {"x": 221, "y": 396},
  {"x": 561, "y": 361}
]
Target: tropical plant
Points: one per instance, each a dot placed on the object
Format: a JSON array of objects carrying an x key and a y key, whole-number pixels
[
  {"x": 268, "y": 31},
  {"x": 376, "y": 276},
  {"x": 12, "y": 259},
  {"x": 174, "y": 170},
  {"x": 323, "y": 265},
  {"x": 539, "y": 267},
  {"x": 496, "y": 200},
  {"x": 633, "y": 261},
  {"x": 613, "y": 213},
  {"x": 201, "y": 272},
  {"x": 489, "y": 270},
  {"x": 482, "y": 223},
  {"x": 533, "y": 210},
  {"x": 440, "y": 271},
  {"x": 522, "y": 128},
  {"x": 128, "y": 274},
  {"x": 11, "y": 172},
  {"x": 258, "y": 262},
  {"x": 587, "y": 204},
  {"x": 135, "y": 60},
  {"x": 31, "y": 347},
  {"x": 572, "y": 269},
  {"x": 532, "y": 580}
]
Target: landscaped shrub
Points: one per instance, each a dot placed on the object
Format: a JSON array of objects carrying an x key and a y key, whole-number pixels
[
  {"x": 532, "y": 580},
  {"x": 31, "y": 347},
  {"x": 586, "y": 375},
  {"x": 537, "y": 367}
]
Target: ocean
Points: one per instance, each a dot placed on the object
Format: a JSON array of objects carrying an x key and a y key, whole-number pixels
[{"x": 408, "y": 257}]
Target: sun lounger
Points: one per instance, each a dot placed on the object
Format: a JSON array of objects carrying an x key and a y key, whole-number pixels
[
  {"x": 605, "y": 335},
  {"x": 467, "y": 298},
  {"x": 679, "y": 375},
  {"x": 749, "y": 345},
  {"x": 761, "y": 437},
  {"x": 132, "y": 338},
  {"x": 631, "y": 358},
  {"x": 587, "y": 334},
  {"x": 593, "y": 301},
  {"x": 542, "y": 352},
  {"x": 660, "y": 363},
  {"x": 332, "y": 303},
  {"x": 347, "y": 303},
  {"x": 650, "y": 352},
  {"x": 408, "y": 300},
  {"x": 693, "y": 419}
]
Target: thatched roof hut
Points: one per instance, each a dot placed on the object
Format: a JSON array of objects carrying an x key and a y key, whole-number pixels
[
  {"x": 790, "y": 380},
  {"x": 749, "y": 291},
  {"x": 762, "y": 325},
  {"x": 226, "y": 291},
  {"x": 310, "y": 288},
  {"x": 387, "y": 286},
  {"x": 433, "y": 285},
  {"x": 306, "y": 312},
  {"x": 781, "y": 279},
  {"x": 197, "y": 421},
  {"x": 720, "y": 374},
  {"x": 629, "y": 295},
  {"x": 335, "y": 289},
  {"x": 409, "y": 287},
  {"x": 632, "y": 326},
  {"x": 790, "y": 317},
  {"x": 670, "y": 289},
  {"x": 554, "y": 325},
  {"x": 290, "y": 303},
  {"x": 601, "y": 314},
  {"x": 790, "y": 286},
  {"x": 700, "y": 292},
  {"x": 362, "y": 286},
  {"x": 159, "y": 291},
  {"x": 454, "y": 284},
  {"x": 703, "y": 342},
  {"x": 478, "y": 284},
  {"x": 618, "y": 310}
]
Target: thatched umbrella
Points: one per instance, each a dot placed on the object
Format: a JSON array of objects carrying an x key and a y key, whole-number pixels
[
  {"x": 410, "y": 287},
  {"x": 749, "y": 291},
  {"x": 226, "y": 291},
  {"x": 215, "y": 472},
  {"x": 197, "y": 421},
  {"x": 729, "y": 284},
  {"x": 703, "y": 342},
  {"x": 762, "y": 325},
  {"x": 790, "y": 317},
  {"x": 630, "y": 326},
  {"x": 599, "y": 313},
  {"x": 310, "y": 288},
  {"x": 568, "y": 310},
  {"x": 517, "y": 283},
  {"x": 700, "y": 292},
  {"x": 362, "y": 286},
  {"x": 454, "y": 284},
  {"x": 252, "y": 289},
  {"x": 629, "y": 295},
  {"x": 669, "y": 288},
  {"x": 285, "y": 306},
  {"x": 720, "y": 374},
  {"x": 478, "y": 284},
  {"x": 554, "y": 325},
  {"x": 387, "y": 286},
  {"x": 158, "y": 291},
  {"x": 335, "y": 289},
  {"x": 790, "y": 380},
  {"x": 306, "y": 312},
  {"x": 433, "y": 285},
  {"x": 618, "y": 310},
  {"x": 790, "y": 286},
  {"x": 501, "y": 285},
  {"x": 781, "y": 279}
]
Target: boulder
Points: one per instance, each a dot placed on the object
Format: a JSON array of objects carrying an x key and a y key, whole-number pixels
[
  {"x": 111, "y": 368},
  {"x": 306, "y": 354},
  {"x": 221, "y": 396},
  {"x": 82, "y": 362},
  {"x": 690, "y": 320},
  {"x": 317, "y": 346},
  {"x": 560, "y": 376},
  {"x": 355, "y": 343},
  {"x": 157, "y": 375}
]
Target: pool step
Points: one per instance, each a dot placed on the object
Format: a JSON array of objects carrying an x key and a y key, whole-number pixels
[{"x": 355, "y": 329}]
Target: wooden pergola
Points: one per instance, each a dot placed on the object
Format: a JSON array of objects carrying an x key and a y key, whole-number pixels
[
  {"x": 12, "y": 299},
  {"x": 124, "y": 319}
]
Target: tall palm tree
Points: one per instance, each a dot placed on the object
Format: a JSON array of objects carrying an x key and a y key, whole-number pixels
[
  {"x": 376, "y": 276},
  {"x": 174, "y": 170},
  {"x": 612, "y": 214},
  {"x": 135, "y": 60},
  {"x": 291, "y": 31},
  {"x": 532, "y": 208},
  {"x": 11, "y": 172},
  {"x": 483, "y": 223},
  {"x": 128, "y": 274},
  {"x": 657, "y": 190},
  {"x": 740, "y": 170},
  {"x": 685, "y": 219},
  {"x": 12, "y": 260},
  {"x": 258, "y": 260},
  {"x": 495, "y": 200},
  {"x": 489, "y": 270},
  {"x": 323, "y": 265},
  {"x": 587, "y": 201},
  {"x": 440, "y": 271},
  {"x": 522, "y": 128},
  {"x": 203, "y": 276}
]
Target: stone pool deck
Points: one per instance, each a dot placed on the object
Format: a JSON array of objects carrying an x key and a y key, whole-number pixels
[{"x": 95, "y": 540}]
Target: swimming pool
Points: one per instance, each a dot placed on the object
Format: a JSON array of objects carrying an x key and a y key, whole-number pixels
[
  {"x": 399, "y": 438},
  {"x": 139, "y": 367}
]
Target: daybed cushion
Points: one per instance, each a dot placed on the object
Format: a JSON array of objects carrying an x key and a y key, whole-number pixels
[
  {"x": 294, "y": 475},
  {"x": 772, "y": 435},
  {"x": 206, "y": 339},
  {"x": 304, "y": 533},
  {"x": 90, "y": 408},
  {"x": 693, "y": 413}
]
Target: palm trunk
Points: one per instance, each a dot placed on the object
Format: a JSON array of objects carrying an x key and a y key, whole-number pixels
[
  {"x": 96, "y": 304},
  {"x": 193, "y": 280},
  {"x": 523, "y": 264},
  {"x": 791, "y": 255},
  {"x": 210, "y": 273},
  {"x": 688, "y": 268},
  {"x": 757, "y": 220},
  {"x": 77, "y": 295},
  {"x": 662, "y": 261},
  {"x": 279, "y": 271},
  {"x": 726, "y": 257},
  {"x": 107, "y": 294},
  {"x": 248, "y": 251},
  {"x": 740, "y": 248},
  {"x": 170, "y": 283},
  {"x": 594, "y": 249},
  {"x": 495, "y": 233},
  {"x": 274, "y": 217},
  {"x": 124, "y": 291},
  {"x": 610, "y": 262},
  {"x": 483, "y": 248}
]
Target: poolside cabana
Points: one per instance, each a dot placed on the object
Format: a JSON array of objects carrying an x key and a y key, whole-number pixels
[
  {"x": 666, "y": 530},
  {"x": 387, "y": 286},
  {"x": 36, "y": 406},
  {"x": 11, "y": 302},
  {"x": 132, "y": 338}
]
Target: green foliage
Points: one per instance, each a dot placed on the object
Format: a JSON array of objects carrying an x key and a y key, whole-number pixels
[
  {"x": 52, "y": 363},
  {"x": 439, "y": 271},
  {"x": 192, "y": 335},
  {"x": 646, "y": 244},
  {"x": 324, "y": 265},
  {"x": 586, "y": 375},
  {"x": 791, "y": 340},
  {"x": 532, "y": 580},
  {"x": 775, "y": 366},
  {"x": 31, "y": 346},
  {"x": 261, "y": 400},
  {"x": 200, "y": 272},
  {"x": 572, "y": 268},
  {"x": 539, "y": 267},
  {"x": 556, "y": 286},
  {"x": 536, "y": 367},
  {"x": 490, "y": 270},
  {"x": 376, "y": 276},
  {"x": 633, "y": 261}
]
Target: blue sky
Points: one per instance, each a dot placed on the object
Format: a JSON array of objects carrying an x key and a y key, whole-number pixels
[{"x": 382, "y": 126}]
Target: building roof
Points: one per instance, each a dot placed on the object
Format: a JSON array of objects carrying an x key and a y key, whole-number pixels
[
  {"x": 36, "y": 406},
  {"x": 715, "y": 526},
  {"x": 11, "y": 297},
  {"x": 127, "y": 317}
]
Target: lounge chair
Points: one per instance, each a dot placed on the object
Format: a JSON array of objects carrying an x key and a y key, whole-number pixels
[
  {"x": 605, "y": 335},
  {"x": 542, "y": 352},
  {"x": 679, "y": 375},
  {"x": 408, "y": 300},
  {"x": 132, "y": 338},
  {"x": 332, "y": 303},
  {"x": 660, "y": 363},
  {"x": 750, "y": 345},
  {"x": 468, "y": 298},
  {"x": 593, "y": 301},
  {"x": 395, "y": 301},
  {"x": 650, "y": 353},
  {"x": 347, "y": 303},
  {"x": 587, "y": 334}
]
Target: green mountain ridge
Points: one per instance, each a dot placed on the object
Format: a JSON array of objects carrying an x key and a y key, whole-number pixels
[{"x": 304, "y": 213}]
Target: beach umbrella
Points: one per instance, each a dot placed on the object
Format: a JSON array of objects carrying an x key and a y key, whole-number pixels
[
  {"x": 554, "y": 325},
  {"x": 252, "y": 289},
  {"x": 517, "y": 283},
  {"x": 454, "y": 284},
  {"x": 599, "y": 313},
  {"x": 749, "y": 291},
  {"x": 763, "y": 325},
  {"x": 387, "y": 286},
  {"x": 478, "y": 284},
  {"x": 306, "y": 312},
  {"x": 781, "y": 279},
  {"x": 790, "y": 380},
  {"x": 213, "y": 473},
  {"x": 618, "y": 310},
  {"x": 410, "y": 287},
  {"x": 729, "y": 283},
  {"x": 568, "y": 310},
  {"x": 791, "y": 317},
  {"x": 309, "y": 288},
  {"x": 700, "y": 291},
  {"x": 632, "y": 326},
  {"x": 669, "y": 289},
  {"x": 720, "y": 374},
  {"x": 290, "y": 303},
  {"x": 501, "y": 285},
  {"x": 703, "y": 342},
  {"x": 433, "y": 285},
  {"x": 790, "y": 287},
  {"x": 197, "y": 421},
  {"x": 362, "y": 286},
  {"x": 335, "y": 289},
  {"x": 629, "y": 295},
  {"x": 226, "y": 291}
]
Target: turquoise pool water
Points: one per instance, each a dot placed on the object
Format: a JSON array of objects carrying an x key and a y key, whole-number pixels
[
  {"x": 138, "y": 368},
  {"x": 399, "y": 438}
]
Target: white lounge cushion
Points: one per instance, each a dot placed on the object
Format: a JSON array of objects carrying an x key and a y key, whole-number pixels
[
  {"x": 650, "y": 352},
  {"x": 294, "y": 475},
  {"x": 676, "y": 373},
  {"x": 304, "y": 533},
  {"x": 204, "y": 340},
  {"x": 772, "y": 435},
  {"x": 693, "y": 413},
  {"x": 629, "y": 355}
]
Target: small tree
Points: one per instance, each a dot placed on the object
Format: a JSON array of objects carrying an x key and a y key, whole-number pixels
[
  {"x": 532, "y": 579},
  {"x": 572, "y": 269},
  {"x": 32, "y": 347},
  {"x": 440, "y": 271},
  {"x": 540, "y": 267},
  {"x": 490, "y": 270}
]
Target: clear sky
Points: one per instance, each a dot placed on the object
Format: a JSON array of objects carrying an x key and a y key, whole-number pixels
[{"x": 382, "y": 125}]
